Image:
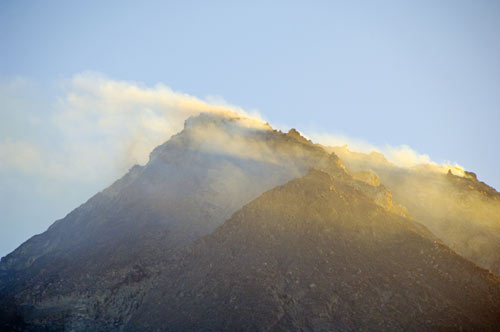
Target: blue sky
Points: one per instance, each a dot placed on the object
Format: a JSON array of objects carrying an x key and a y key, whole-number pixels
[{"x": 420, "y": 73}]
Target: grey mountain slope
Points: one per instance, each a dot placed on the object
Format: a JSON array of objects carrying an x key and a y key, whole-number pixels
[
  {"x": 90, "y": 269},
  {"x": 317, "y": 254},
  {"x": 460, "y": 210},
  {"x": 95, "y": 268}
]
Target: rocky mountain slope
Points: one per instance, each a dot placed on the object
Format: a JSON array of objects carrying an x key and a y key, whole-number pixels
[
  {"x": 317, "y": 254},
  {"x": 90, "y": 269},
  {"x": 132, "y": 253},
  {"x": 453, "y": 204}
]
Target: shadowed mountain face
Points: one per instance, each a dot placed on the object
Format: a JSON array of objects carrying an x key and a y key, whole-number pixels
[
  {"x": 130, "y": 254},
  {"x": 459, "y": 209},
  {"x": 90, "y": 269},
  {"x": 318, "y": 254}
]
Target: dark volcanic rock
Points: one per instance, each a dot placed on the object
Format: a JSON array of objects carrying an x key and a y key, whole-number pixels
[
  {"x": 317, "y": 254},
  {"x": 90, "y": 270},
  {"x": 328, "y": 251}
]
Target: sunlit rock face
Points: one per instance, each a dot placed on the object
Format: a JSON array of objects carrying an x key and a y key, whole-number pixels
[
  {"x": 101, "y": 265},
  {"x": 453, "y": 204},
  {"x": 317, "y": 254}
]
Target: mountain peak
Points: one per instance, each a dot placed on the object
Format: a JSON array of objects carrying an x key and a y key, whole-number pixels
[
  {"x": 271, "y": 219},
  {"x": 227, "y": 121}
]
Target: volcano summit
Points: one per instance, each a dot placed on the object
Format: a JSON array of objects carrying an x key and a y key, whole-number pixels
[{"x": 233, "y": 225}]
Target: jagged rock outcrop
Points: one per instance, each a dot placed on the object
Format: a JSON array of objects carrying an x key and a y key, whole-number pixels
[{"x": 317, "y": 254}]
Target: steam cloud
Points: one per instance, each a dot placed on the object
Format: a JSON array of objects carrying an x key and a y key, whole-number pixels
[
  {"x": 102, "y": 127},
  {"x": 402, "y": 156}
]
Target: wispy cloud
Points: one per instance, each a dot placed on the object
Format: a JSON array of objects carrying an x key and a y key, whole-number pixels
[
  {"x": 402, "y": 155},
  {"x": 19, "y": 155},
  {"x": 98, "y": 127}
]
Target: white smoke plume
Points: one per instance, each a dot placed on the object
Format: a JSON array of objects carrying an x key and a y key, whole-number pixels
[
  {"x": 101, "y": 127},
  {"x": 402, "y": 156}
]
